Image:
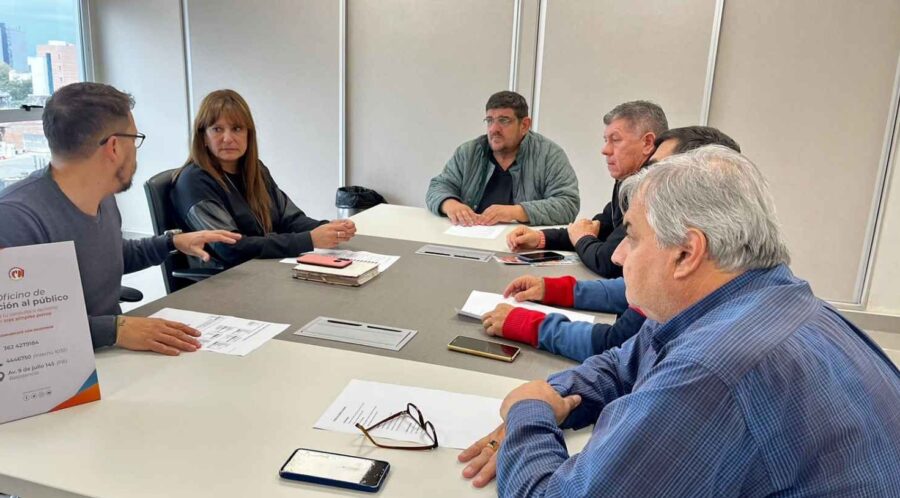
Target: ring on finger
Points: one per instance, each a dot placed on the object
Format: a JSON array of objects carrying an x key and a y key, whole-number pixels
[{"x": 493, "y": 444}]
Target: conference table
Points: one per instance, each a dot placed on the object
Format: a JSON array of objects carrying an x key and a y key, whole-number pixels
[
  {"x": 418, "y": 224},
  {"x": 207, "y": 424}
]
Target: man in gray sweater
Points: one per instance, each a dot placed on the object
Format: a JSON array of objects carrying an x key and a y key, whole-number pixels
[
  {"x": 510, "y": 174},
  {"x": 93, "y": 142}
]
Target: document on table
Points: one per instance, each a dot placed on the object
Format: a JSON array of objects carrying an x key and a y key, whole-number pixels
[
  {"x": 383, "y": 261},
  {"x": 222, "y": 333},
  {"x": 480, "y": 303},
  {"x": 476, "y": 232},
  {"x": 458, "y": 419}
]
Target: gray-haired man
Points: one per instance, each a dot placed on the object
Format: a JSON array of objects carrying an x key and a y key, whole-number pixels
[
  {"x": 630, "y": 135},
  {"x": 740, "y": 383}
]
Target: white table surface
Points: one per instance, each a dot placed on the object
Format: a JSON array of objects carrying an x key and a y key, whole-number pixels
[
  {"x": 419, "y": 224},
  {"x": 205, "y": 424}
]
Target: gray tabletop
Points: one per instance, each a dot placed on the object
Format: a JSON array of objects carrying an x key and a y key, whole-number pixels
[{"x": 418, "y": 292}]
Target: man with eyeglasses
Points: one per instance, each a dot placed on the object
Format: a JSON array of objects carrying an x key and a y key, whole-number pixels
[
  {"x": 93, "y": 155},
  {"x": 580, "y": 340},
  {"x": 740, "y": 383},
  {"x": 629, "y": 141},
  {"x": 510, "y": 174}
]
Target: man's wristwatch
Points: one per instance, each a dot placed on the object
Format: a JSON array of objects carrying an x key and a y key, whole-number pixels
[{"x": 170, "y": 238}]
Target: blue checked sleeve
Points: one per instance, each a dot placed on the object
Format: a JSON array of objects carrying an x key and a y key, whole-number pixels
[{"x": 680, "y": 434}]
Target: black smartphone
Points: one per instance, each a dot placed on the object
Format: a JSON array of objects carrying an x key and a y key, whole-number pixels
[
  {"x": 541, "y": 256},
  {"x": 493, "y": 350},
  {"x": 334, "y": 469}
]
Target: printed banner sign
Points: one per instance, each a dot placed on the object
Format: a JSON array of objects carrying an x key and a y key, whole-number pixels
[{"x": 46, "y": 356}]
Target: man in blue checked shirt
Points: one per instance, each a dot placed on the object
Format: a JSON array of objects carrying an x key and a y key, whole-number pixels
[{"x": 740, "y": 383}]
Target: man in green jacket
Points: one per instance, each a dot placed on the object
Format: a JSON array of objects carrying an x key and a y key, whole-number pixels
[{"x": 510, "y": 174}]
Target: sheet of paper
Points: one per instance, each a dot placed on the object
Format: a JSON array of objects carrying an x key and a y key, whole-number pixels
[
  {"x": 476, "y": 232},
  {"x": 225, "y": 334},
  {"x": 384, "y": 261},
  {"x": 480, "y": 303},
  {"x": 458, "y": 419},
  {"x": 353, "y": 332}
]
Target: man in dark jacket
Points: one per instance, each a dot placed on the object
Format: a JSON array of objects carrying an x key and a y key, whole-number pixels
[{"x": 631, "y": 130}]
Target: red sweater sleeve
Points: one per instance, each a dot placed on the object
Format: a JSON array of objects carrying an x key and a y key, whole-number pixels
[
  {"x": 523, "y": 325},
  {"x": 559, "y": 291}
]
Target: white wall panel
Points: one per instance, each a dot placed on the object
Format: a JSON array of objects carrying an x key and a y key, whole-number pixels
[
  {"x": 601, "y": 53},
  {"x": 137, "y": 47},
  {"x": 282, "y": 57},
  {"x": 884, "y": 293},
  {"x": 419, "y": 74},
  {"x": 805, "y": 87}
]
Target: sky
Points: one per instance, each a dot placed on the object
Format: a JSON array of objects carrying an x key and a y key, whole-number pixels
[{"x": 41, "y": 20}]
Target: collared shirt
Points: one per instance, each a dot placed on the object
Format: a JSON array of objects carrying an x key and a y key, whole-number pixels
[{"x": 758, "y": 389}]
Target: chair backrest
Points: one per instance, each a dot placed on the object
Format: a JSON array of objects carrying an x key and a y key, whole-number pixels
[{"x": 162, "y": 214}]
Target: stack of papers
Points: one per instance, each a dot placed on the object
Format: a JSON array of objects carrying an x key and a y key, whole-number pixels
[
  {"x": 356, "y": 274},
  {"x": 480, "y": 303},
  {"x": 384, "y": 261}
]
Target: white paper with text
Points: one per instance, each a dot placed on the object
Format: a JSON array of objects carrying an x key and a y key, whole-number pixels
[
  {"x": 225, "y": 334},
  {"x": 458, "y": 419}
]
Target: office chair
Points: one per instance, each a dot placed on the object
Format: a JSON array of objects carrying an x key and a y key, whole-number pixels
[
  {"x": 128, "y": 295},
  {"x": 176, "y": 269}
]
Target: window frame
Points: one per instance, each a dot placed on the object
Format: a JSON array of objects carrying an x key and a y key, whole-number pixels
[{"x": 86, "y": 72}]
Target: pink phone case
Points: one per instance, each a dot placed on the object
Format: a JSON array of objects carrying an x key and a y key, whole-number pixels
[{"x": 321, "y": 260}]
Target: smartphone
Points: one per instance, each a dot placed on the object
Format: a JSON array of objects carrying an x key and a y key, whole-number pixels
[
  {"x": 493, "y": 350},
  {"x": 541, "y": 256},
  {"x": 334, "y": 469},
  {"x": 323, "y": 260}
]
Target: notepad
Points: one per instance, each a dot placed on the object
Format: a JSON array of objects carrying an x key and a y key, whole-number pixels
[
  {"x": 356, "y": 274},
  {"x": 384, "y": 261},
  {"x": 480, "y": 303}
]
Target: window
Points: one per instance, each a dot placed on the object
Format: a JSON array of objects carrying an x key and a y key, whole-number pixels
[{"x": 40, "y": 51}]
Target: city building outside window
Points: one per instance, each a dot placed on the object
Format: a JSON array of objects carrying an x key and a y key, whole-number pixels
[{"x": 40, "y": 52}]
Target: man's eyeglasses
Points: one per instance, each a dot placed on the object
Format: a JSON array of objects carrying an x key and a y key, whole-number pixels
[
  {"x": 503, "y": 121},
  {"x": 138, "y": 138},
  {"x": 417, "y": 417}
]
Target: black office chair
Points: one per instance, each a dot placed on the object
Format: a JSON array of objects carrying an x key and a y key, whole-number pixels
[
  {"x": 176, "y": 269},
  {"x": 129, "y": 295}
]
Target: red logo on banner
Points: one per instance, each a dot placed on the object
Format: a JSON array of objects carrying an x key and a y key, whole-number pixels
[{"x": 16, "y": 273}]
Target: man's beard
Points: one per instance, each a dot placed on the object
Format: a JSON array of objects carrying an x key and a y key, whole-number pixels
[{"x": 124, "y": 181}]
